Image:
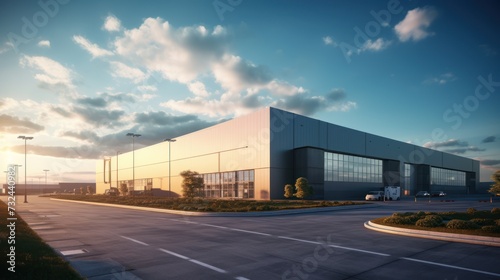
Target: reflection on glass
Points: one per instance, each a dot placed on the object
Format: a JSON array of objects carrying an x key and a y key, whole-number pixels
[
  {"x": 347, "y": 168},
  {"x": 440, "y": 176}
]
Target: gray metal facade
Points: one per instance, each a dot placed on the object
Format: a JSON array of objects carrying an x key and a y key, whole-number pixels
[
  {"x": 309, "y": 138},
  {"x": 280, "y": 147}
]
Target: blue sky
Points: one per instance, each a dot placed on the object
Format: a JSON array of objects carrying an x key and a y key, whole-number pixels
[{"x": 79, "y": 75}]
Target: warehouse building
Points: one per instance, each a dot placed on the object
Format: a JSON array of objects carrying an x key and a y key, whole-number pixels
[{"x": 254, "y": 156}]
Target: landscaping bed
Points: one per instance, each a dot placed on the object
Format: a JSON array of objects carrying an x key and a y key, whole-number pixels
[
  {"x": 207, "y": 205},
  {"x": 470, "y": 222}
]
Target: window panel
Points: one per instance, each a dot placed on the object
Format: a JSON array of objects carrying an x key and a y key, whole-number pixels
[{"x": 348, "y": 168}]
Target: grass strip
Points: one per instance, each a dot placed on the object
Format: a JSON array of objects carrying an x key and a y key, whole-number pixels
[{"x": 34, "y": 259}]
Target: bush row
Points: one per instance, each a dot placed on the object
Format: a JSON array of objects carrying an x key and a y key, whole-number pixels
[{"x": 472, "y": 219}]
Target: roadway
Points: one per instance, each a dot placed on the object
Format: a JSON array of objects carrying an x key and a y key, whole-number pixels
[{"x": 113, "y": 243}]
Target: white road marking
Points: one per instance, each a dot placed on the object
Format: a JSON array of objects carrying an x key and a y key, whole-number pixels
[
  {"x": 208, "y": 266},
  {"x": 215, "y": 226},
  {"x": 193, "y": 261},
  {"x": 134, "y": 240},
  {"x": 249, "y": 231},
  {"x": 174, "y": 254},
  {"x": 452, "y": 266},
  {"x": 336, "y": 246}
]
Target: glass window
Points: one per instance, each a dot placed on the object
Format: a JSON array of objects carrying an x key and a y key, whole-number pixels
[
  {"x": 447, "y": 177},
  {"x": 348, "y": 168}
]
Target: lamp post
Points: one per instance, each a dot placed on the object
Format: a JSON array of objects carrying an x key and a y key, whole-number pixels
[
  {"x": 169, "y": 140},
  {"x": 45, "y": 170},
  {"x": 133, "y": 135},
  {"x": 25, "y": 166},
  {"x": 117, "y": 186}
]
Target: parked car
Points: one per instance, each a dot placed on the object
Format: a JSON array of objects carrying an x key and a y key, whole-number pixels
[
  {"x": 423, "y": 194},
  {"x": 374, "y": 195},
  {"x": 111, "y": 192},
  {"x": 438, "y": 194}
]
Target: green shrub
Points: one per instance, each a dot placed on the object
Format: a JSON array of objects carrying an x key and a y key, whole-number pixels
[
  {"x": 449, "y": 213},
  {"x": 429, "y": 221},
  {"x": 495, "y": 210},
  {"x": 263, "y": 208},
  {"x": 398, "y": 214},
  {"x": 483, "y": 222},
  {"x": 461, "y": 224},
  {"x": 412, "y": 219},
  {"x": 435, "y": 218},
  {"x": 420, "y": 213},
  {"x": 402, "y": 214},
  {"x": 426, "y": 223},
  {"x": 492, "y": 229},
  {"x": 399, "y": 220},
  {"x": 471, "y": 211}
]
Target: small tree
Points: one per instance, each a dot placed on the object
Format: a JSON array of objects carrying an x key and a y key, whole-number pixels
[
  {"x": 82, "y": 190},
  {"x": 302, "y": 187},
  {"x": 192, "y": 184},
  {"x": 89, "y": 190},
  {"x": 495, "y": 188},
  {"x": 288, "y": 191},
  {"x": 123, "y": 189}
]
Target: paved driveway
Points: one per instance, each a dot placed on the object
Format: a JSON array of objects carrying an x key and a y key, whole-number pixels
[{"x": 113, "y": 243}]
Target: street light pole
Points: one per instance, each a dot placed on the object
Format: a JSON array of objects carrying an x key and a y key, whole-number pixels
[
  {"x": 169, "y": 140},
  {"x": 117, "y": 187},
  {"x": 133, "y": 135},
  {"x": 25, "y": 166},
  {"x": 46, "y": 170}
]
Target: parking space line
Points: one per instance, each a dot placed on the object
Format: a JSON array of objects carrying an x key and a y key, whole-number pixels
[{"x": 452, "y": 266}]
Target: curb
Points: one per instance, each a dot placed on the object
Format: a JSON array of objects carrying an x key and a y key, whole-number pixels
[
  {"x": 453, "y": 237},
  {"x": 227, "y": 214}
]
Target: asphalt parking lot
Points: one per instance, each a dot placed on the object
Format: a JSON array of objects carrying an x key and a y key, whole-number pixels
[{"x": 113, "y": 243}]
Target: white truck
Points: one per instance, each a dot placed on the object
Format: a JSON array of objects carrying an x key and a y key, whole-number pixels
[{"x": 392, "y": 193}]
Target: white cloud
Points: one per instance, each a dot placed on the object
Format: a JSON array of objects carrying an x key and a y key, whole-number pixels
[
  {"x": 198, "y": 88},
  {"x": 147, "y": 88},
  {"x": 52, "y": 72},
  {"x": 327, "y": 40},
  {"x": 112, "y": 24},
  {"x": 121, "y": 70},
  {"x": 44, "y": 44},
  {"x": 375, "y": 46},
  {"x": 414, "y": 25},
  {"x": 177, "y": 54},
  {"x": 235, "y": 74},
  {"x": 93, "y": 49},
  {"x": 369, "y": 45},
  {"x": 186, "y": 54},
  {"x": 6, "y": 47}
]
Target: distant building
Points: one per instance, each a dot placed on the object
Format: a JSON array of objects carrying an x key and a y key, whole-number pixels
[
  {"x": 254, "y": 156},
  {"x": 50, "y": 188}
]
